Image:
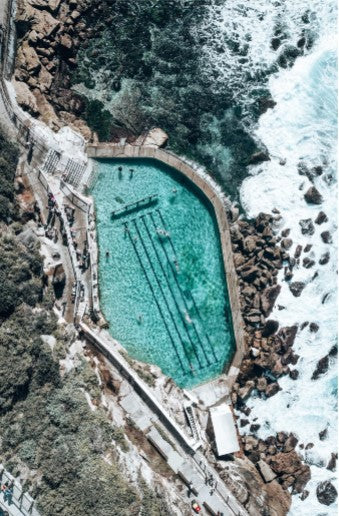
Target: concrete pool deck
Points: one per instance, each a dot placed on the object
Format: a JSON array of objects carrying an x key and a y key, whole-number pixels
[{"x": 219, "y": 203}]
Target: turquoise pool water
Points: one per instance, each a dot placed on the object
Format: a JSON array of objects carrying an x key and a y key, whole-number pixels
[{"x": 161, "y": 277}]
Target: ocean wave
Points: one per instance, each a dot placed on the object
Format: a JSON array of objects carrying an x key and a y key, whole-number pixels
[
  {"x": 302, "y": 130},
  {"x": 243, "y": 43}
]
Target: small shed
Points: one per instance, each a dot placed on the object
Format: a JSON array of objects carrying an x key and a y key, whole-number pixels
[{"x": 224, "y": 428}]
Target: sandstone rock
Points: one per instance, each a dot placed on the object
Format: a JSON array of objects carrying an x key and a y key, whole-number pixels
[
  {"x": 245, "y": 391},
  {"x": 326, "y": 237},
  {"x": 286, "y": 463},
  {"x": 27, "y": 58},
  {"x": 333, "y": 352},
  {"x": 25, "y": 97},
  {"x": 298, "y": 250},
  {"x": 270, "y": 328},
  {"x": 261, "y": 384},
  {"x": 307, "y": 227},
  {"x": 314, "y": 327},
  {"x": 238, "y": 259},
  {"x": 282, "y": 437},
  {"x": 249, "y": 274},
  {"x": 156, "y": 137},
  {"x": 331, "y": 466},
  {"x": 286, "y": 243},
  {"x": 312, "y": 196},
  {"x": 308, "y": 263},
  {"x": 251, "y": 443},
  {"x": 323, "y": 434},
  {"x": 321, "y": 217},
  {"x": 272, "y": 389},
  {"x": 66, "y": 41},
  {"x": 46, "y": 111},
  {"x": 268, "y": 299},
  {"x": 45, "y": 24},
  {"x": 290, "y": 443},
  {"x": 254, "y": 427},
  {"x": 233, "y": 213},
  {"x": 294, "y": 374},
  {"x": 265, "y": 471},
  {"x": 322, "y": 367},
  {"x": 45, "y": 80},
  {"x": 287, "y": 335},
  {"x": 243, "y": 422},
  {"x": 266, "y": 103},
  {"x": 304, "y": 494},
  {"x": 52, "y": 5},
  {"x": 302, "y": 477},
  {"x": 326, "y": 493},
  {"x": 258, "y": 157},
  {"x": 77, "y": 124},
  {"x": 296, "y": 288},
  {"x": 325, "y": 258},
  {"x": 250, "y": 243}
]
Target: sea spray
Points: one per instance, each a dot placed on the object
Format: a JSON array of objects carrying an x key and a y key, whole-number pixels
[{"x": 302, "y": 129}]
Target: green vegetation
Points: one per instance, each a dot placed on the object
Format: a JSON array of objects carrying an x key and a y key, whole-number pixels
[
  {"x": 8, "y": 162},
  {"x": 46, "y": 422},
  {"x": 98, "y": 119}
]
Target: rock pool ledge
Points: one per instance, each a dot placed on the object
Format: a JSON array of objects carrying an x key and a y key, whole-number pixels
[{"x": 218, "y": 201}]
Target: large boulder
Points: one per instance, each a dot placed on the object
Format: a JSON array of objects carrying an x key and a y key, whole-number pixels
[
  {"x": 322, "y": 367},
  {"x": 321, "y": 218},
  {"x": 46, "y": 111},
  {"x": 312, "y": 196},
  {"x": 326, "y": 237},
  {"x": 258, "y": 157},
  {"x": 268, "y": 299},
  {"x": 45, "y": 80},
  {"x": 156, "y": 137},
  {"x": 307, "y": 226},
  {"x": 27, "y": 58},
  {"x": 296, "y": 288},
  {"x": 25, "y": 97},
  {"x": 44, "y": 23},
  {"x": 326, "y": 493}
]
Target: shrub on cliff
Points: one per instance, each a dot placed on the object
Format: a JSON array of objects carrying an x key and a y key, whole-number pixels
[
  {"x": 8, "y": 163},
  {"x": 46, "y": 423}
]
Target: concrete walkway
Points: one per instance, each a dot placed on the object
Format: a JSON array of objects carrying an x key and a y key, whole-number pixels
[
  {"x": 182, "y": 457},
  {"x": 22, "y": 503}
]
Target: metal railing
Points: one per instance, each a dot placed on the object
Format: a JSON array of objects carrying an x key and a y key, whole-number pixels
[{"x": 21, "y": 500}]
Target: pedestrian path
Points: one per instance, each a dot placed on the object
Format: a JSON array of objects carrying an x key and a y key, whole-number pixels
[{"x": 22, "y": 504}]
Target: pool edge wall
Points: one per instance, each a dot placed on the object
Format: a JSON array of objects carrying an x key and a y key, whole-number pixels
[{"x": 106, "y": 150}]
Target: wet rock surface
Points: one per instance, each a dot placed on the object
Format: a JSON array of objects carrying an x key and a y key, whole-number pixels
[
  {"x": 326, "y": 493},
  {"x": 257, "y": 258},
  {"x": 312, "y": 196}
]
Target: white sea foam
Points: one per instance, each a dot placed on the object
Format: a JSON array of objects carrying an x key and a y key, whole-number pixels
[
  {"x": 302, "y": 126},
  {"x": 239, "y": 36}
]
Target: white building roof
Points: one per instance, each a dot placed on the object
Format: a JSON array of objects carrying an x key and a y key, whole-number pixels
[{"x": 224, "y": 430}]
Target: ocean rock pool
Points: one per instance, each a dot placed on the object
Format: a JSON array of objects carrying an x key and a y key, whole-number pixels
[{"x": 161, "y": 275}]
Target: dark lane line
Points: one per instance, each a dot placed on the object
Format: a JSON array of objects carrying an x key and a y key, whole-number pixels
[
  {"x": 175, "y": 277},
  {"x": 164, "y": 297},
  {"x": 155, "y": 297},
  {"x": 179, "y": 288}
]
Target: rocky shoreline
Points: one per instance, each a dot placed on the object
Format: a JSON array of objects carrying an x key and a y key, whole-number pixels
[
  {"x": 49, "y": 34},
  {"x": 259, "y": 253},
  {"x": 258, "y": 256}
]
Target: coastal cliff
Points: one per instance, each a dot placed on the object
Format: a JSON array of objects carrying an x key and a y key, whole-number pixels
[{"x": 50, "y": 37}]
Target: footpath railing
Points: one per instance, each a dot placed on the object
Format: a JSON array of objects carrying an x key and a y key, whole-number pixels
[
  {"x": 188, "y": 445},
  {"x": 22, "y": 502}
]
